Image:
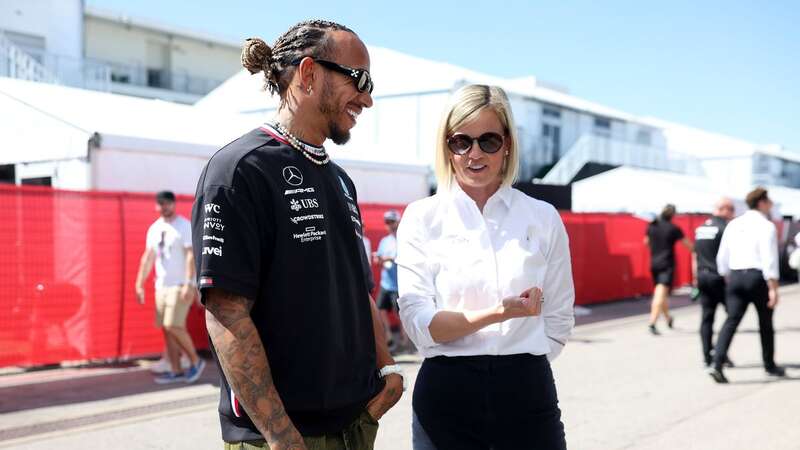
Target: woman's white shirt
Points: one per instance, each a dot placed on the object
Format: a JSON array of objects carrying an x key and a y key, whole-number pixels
[{"x": 450, "y": 257}]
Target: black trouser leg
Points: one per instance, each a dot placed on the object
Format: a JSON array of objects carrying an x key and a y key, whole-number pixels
[
  {"x": 526, "y": 414},
  {"x": 707, "y": 328},
  {"x": 712, "y": 293},
  {"x": 737, "y": 306},
  {"x": 765, "y": 328}
]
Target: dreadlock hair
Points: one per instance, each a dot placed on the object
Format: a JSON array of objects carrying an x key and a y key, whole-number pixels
[{"x": 307, "y": 38}]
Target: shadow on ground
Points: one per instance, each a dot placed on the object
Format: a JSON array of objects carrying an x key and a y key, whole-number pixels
[{"x": 90, "y": 388}]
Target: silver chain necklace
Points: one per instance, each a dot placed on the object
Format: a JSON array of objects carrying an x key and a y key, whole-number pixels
[{"x": 310, "y": 152}]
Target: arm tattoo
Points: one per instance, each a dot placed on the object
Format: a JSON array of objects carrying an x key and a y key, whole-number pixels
[{"x": 244, "y": 362}]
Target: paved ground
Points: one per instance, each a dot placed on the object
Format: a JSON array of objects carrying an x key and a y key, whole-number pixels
[{"x": 620, "y": 388}]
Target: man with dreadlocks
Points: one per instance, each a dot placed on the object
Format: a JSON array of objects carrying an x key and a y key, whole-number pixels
[{"x": 280, "y": 260}]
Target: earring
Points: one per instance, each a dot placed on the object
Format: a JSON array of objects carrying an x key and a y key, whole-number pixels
[
  {"x": 309, "y": 90},
  {"x": 506, "y": 152}
]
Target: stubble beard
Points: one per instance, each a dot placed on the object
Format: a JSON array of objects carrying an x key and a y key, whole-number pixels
[{"x": 329, "y": 111}]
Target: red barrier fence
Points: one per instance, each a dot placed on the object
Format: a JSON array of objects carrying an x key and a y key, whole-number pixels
[{"x": 69, "y": 262}]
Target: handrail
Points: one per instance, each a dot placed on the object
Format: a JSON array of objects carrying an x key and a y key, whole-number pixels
[
  {"x": 16, "y": 63},
  {"x": 599, "y": 149}
]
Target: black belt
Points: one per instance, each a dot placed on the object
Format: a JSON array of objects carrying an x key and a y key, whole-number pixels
[{"x": 745, "y": 270}]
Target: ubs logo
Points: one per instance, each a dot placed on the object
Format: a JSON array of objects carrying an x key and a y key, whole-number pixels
[
  {"x": 292, "y": 175},
  {"x": 305, "y": 203}
]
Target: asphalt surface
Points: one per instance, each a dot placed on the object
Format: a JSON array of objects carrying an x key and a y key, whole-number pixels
[{"x": 619, "y": 388}]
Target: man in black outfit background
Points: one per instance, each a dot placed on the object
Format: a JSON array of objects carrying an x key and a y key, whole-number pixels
[
  {"x": 661, "y": 237},
  {"x": 748, "y": 257},
  {"x": 711, "y": 284}
]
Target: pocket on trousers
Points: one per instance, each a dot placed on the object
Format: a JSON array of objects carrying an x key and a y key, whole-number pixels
[{"x": 364, "y": 432}]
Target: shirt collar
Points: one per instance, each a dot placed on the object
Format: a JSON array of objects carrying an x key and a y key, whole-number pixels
[
  {"x": 505, "y": 194},
  {"x": 755, "y": 214}
]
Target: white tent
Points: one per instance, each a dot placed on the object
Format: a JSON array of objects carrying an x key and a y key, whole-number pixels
[
  {"x": 93, "y": 140},
  {"x": 645, "y": 192},
  {"x": 641, "y": 191}
]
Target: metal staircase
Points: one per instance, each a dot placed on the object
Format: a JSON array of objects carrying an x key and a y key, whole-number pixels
[
  {"x": 15, "y": 63},
  {"x": 603, "y": 150}
]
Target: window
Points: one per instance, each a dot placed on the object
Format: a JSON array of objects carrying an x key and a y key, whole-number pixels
[
  {"x": 38, "y": 181},
  {"x": 157, "y": 78},
  {"x": 551, "y": 141},
  {"x": 602, "y": 122},
  {"x": 120, "y": 77},
  {"x": 602, "y": 126},
  {"x": 549, "y": 111},
  {"x": 7, "y": 173},
  {"x": 643, "y": 137}
]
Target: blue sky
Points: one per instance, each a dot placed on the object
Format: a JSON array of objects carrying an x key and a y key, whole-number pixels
[{"x": 726, "y": 66}]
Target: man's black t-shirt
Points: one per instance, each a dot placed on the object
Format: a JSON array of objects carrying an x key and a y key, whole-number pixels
[
  {"x": 706, "y": 243},
  {"x": 663, "y": 235},
  {"x": 273, "y": 227}
]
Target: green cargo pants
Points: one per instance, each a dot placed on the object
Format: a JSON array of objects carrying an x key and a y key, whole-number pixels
[{"x": 359, "y": 435}]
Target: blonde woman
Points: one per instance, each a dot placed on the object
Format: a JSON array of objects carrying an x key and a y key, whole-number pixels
[{"x": 486, "y": 290}]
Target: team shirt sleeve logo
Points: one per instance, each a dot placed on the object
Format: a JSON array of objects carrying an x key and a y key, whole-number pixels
[{"x": 212, "y": 244}]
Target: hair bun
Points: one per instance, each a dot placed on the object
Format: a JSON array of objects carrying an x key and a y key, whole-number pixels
[{"x": 257, "y": 56}]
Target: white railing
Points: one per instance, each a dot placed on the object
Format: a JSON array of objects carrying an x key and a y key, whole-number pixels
[
  {"x": 54, "y": 69},
  {"x": 15, "y": 63},
  {"x": 604, "y": 150},
  {"x": 179, "y": 81}
]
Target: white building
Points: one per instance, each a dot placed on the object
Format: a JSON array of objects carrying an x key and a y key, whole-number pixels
[
  {"x": 564, "y": 139},
  {"x": 63, "y": 42}
]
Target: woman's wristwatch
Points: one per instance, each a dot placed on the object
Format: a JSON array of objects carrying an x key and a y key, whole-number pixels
[{"x": 393, "y": 368}]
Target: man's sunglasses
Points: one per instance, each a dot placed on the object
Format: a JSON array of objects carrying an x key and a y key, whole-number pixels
[
  {"x": 361, "y": 78},
  {"x": 461, "y": 143}
]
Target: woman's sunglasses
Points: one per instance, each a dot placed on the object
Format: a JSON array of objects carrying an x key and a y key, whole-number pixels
[
  {"x": 461, "y": 143},
  {"x": 361, "y": 78}
]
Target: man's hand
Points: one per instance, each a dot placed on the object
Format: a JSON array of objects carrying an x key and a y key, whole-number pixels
[
  {"x": 773, "y": 298},
  {"x": 140, "y": 295},
  {"x": 529, "y": 303},
  {"x": 387, "y": 397},
  {"x": 187, "y": 293}
]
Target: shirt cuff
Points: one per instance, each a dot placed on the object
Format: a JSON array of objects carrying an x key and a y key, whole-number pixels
[
  {"x": 228, "y": 284},
  {"x": 555, "y": 349},
  {"x": 422, "y": 322}
]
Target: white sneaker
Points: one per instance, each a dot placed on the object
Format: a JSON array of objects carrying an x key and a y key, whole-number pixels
[
  {"x": 160, "y": 366},
  {"x": 163, "y": 366}
]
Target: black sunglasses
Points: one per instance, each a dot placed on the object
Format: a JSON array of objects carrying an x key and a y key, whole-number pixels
[
  {"x": 361, "y": 78},
  {"x": 461, "y": 143}
]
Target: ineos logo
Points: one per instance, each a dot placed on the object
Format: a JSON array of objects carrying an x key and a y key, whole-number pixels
[{"x": 292, "y": 175}]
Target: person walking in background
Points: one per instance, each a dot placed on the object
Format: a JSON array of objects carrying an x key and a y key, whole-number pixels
[
  {"x": 385, "y": 257},
  {"x": 661, "y": 237},
  {"x": 486, "y": 290},
  {"x": 748, "y": 257},
  {"x": 710, "y": 283},
  {"x": 169, "y": 248},
  {"x": 281, "y": 262}
]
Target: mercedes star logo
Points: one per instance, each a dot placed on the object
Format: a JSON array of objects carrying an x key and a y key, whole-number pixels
[{"x": 292, "y": 175}]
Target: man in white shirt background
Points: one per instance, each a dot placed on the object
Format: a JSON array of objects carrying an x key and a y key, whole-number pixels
[
  {"x": 387, "y": 298},
  {"x": 748, "y": 257},
  {"x": 169, "y": 248}
]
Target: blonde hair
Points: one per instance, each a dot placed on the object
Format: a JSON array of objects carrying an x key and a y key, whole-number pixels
[{"x": 465, "y": 105}]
